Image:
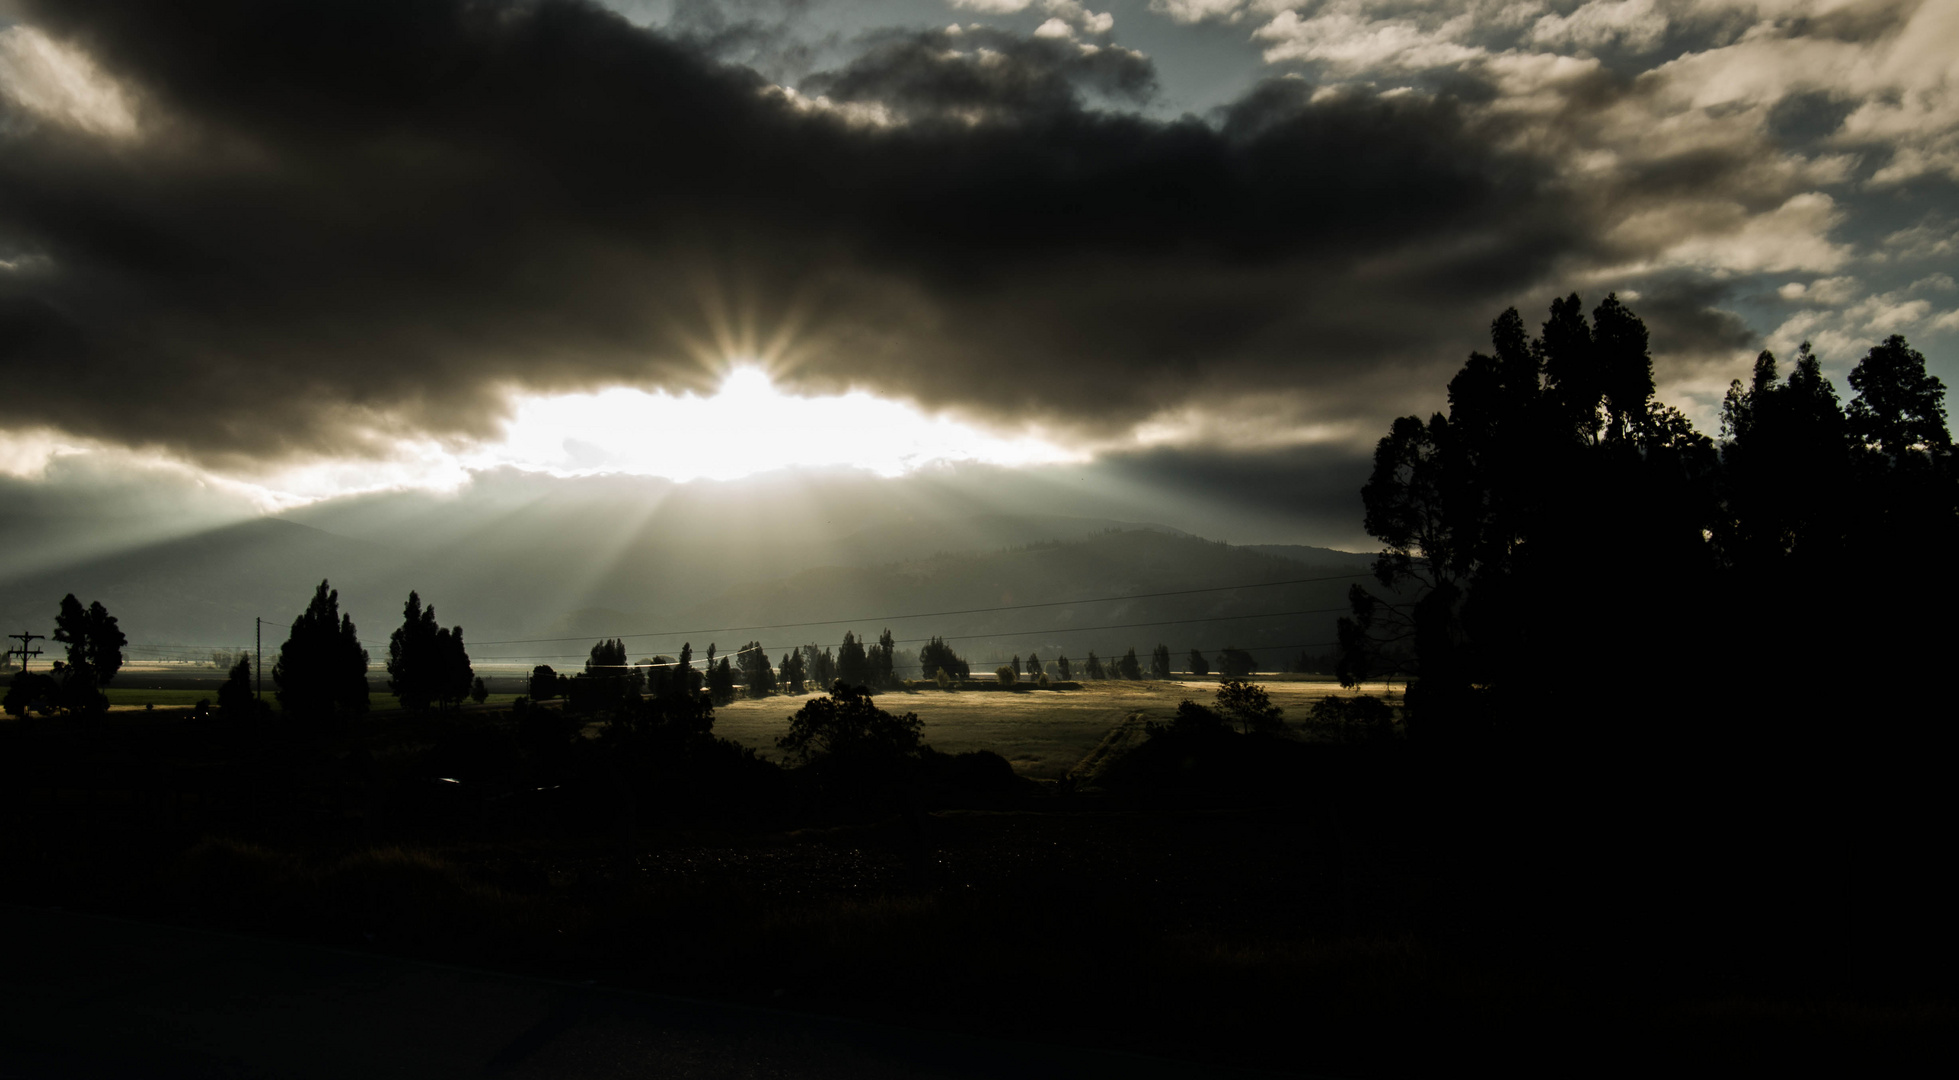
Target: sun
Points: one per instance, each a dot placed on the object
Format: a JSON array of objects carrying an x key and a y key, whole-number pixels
[{"x": 746, "y": 426}]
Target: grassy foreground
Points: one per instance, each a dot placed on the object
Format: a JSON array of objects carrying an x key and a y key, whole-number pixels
[{"x": 1345, "y": 929}]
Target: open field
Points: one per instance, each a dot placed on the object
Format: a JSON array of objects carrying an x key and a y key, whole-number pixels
[
  {"x": 1043, "y": 733},
  {"x": 139, "y": 697}
]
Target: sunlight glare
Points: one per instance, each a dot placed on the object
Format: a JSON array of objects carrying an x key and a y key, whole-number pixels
[{"x": 748, "y": 426}]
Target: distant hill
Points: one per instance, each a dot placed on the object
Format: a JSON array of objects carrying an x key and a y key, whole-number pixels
[
  {"x": 606, "y": 557},
  {"x": 205, "y": 590},
  {"x": 1315, "y": 556},
  {"x": 1064, "y": 578}
]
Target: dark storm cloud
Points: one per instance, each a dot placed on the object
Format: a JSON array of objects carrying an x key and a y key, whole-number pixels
[
  {"x": 1306, "y": 493},
  {"x": 353, "y": 218},
  {"x": 984, "y": 74}
]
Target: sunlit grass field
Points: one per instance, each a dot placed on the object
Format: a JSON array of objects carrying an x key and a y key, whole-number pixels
[
  {"x": 1043, "y": 733},
  {"x": 126, "y": 698}
]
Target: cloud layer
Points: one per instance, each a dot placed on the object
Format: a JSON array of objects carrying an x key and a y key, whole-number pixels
[{"x": 240, "y": 232}]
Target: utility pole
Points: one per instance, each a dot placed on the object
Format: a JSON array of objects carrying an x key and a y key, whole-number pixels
[
  {"x": 24, "y": 652},
  {"x": 258, "y": 659}
]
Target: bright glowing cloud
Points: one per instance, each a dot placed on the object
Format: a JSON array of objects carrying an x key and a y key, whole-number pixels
[
  {"x": 60, "y": 84},
  {"x": 747, "y": 427}
]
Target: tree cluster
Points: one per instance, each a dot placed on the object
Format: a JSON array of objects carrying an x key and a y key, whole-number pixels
[
  {"x": 1555, "y": 470},
  {"x": 322, "y": 668},
  {"x": 937, "y": 656},
  {"x": 428, "y": 667}
]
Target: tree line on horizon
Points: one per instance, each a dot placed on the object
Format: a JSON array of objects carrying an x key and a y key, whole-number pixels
[{"x": 321, "y": 670}]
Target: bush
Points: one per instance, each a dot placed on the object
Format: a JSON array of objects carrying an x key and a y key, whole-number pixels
[
  {"x": 1249, "y": 707},
  {"x": 29, "y": 688},
  {"x": 1360, "y": 712},
  {"x": 944, "y": 680},
  {"x": 1006, "y": 674},
  {"x": 857, "y": 752}
]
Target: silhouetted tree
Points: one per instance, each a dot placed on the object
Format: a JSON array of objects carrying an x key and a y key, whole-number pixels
[
  {"x": 94, "y": 654},
  {"x": 1249, "y": 707},
  {"x": 322, "y": 669},
  {"x": 1552, "y": 462},
  {"x": 544, "y": 683},
  {"x": 663, "y": 676},
  {"x": 1786, "y": 459},
  {"x": 687, "y": 681},
  {"x": 1093, "y": 667},
  {"x": 1066, "y": 669},
  {"x": 721, "y": 682},
  {"x": 937, "y": 656},
  {"x": 1906, "y": 477},
  {"x": 819, "y": 668},
  {"x": 882, "y": 659},
  {"x": 1235, "y": 663},
  {"x": 28, "y": 688},
  {"x": 755, "y": 670},
  {"x": 1160, "y": 662},
  {"x": 427, "y": 663},
  {"x": 1034, "y": 668},
  {"x": 792, "y": 671},
  {"x": 1006, "y": 675},
  {"x": 851, "y": 664},
  {"x": 235, "y": 698},
  {"x": 858, "y": 751},
  {"x": 1358, "y": 711},
  {"x": 1899, "y": 413},
  {"x": 478, "y": 692},
  {"x": 1199, "y": 666}
]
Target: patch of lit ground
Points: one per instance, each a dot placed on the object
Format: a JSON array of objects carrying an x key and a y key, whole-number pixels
[{"x": 1043, "y": 733}]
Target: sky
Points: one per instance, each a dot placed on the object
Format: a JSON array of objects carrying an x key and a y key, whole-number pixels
[{"x": 254, "y": 255}]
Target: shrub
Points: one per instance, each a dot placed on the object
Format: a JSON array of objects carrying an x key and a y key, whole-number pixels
[
  {"x": 1249, "y": 707},
  {"x": 1006, "y": 674},
  {"x": 29, "y": 687},
  {"x": 857, "y": 752},
  {"x": 944, "y": 680},
  {"x": 1359, "y": 711}
]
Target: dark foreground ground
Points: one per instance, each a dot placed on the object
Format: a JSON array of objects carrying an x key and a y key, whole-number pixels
[
  {"x": 1378, "y": 920},
  {"x": 97, "y": 997}
]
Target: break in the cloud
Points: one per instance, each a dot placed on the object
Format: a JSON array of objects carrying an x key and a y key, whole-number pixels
[{"x": 325, "y": 231}]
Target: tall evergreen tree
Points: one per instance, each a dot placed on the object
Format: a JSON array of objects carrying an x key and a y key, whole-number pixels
[
  {"x": 686, "y": 679},
  {"x": 427, "y": 663},
  {"x": 1160, "y": 662},
  {"x": 721, "y": 682},
  {"x": 235, "y": 696},
  {"x": 852, "y": 665},
  {"x": 755, "y": 670},
  {"x": 322, "y": 669},
  {"x": 883, "y": 658}
]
